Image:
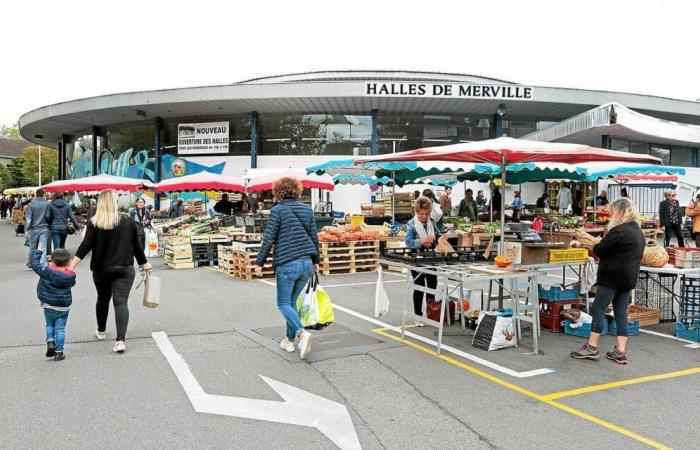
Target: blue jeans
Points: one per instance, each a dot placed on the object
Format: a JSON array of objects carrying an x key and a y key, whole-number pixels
[
  {"x": 56, "y": 327},
  {"x": 291, "y": 279},
  {"x": 620, "y": 300},
  {"x": 38, "y": 236},
  {"x": 58, "y": 238}
]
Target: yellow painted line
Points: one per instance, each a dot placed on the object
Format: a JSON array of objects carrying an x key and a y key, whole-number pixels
[
  {"x": 615, "y": 384},
  {"x": 523, "y": 391}
]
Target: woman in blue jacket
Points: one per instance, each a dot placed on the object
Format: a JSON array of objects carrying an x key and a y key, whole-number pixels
[
  {"x": 57, "y": 216},
  {"x": 422, "y": 234},
  {"x": 292, "y": 231}
]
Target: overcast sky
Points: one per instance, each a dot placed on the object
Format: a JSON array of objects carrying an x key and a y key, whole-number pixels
[{"x": 63, "y": 50}]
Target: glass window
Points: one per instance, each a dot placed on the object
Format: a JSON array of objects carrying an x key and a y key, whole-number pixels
[
  {"x": 639, "y": 147},
  {"x": 620, "y": 146},
  {"x": 682, "y": 156},
  {"x": 661, "y": 152}
]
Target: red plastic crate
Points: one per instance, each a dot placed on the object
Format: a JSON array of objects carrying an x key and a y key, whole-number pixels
[
  {"x": 551, "y": 322},
  {"x": 555, "y": 308}
]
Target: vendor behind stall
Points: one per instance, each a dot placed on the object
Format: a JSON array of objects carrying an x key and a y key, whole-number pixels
[
  {"x": 224, "y": 206},
  {"x": 543, "y": 202},
  {"x": 422, "y": 234},
  {"x": 601, "y": 199},
  {"x": 517, "y": 206},
  {"x": 468, "y": 206},
  {"x": 446, "y": 202},
  {"x": 620, "y": 253}
]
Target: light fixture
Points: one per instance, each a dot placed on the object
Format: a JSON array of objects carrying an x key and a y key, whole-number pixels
[{"x": 501, "y": 111}]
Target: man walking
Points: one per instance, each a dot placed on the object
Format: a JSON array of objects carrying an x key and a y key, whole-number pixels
[
  {"x": 37, "y": 226},
  {"x": 671, "y": 217}
]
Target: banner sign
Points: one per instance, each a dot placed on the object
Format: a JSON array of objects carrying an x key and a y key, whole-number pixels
[
  {"x": 449, "y": 90},
  {"x": 202, "y": 138}
]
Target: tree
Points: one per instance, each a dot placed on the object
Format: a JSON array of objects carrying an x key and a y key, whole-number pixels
[
  {"x": 16, "y": 174},
  {"x": 4, "y": 178},
  {"x": 30, "y": 166},
  {"x": 11, "y": 131}
]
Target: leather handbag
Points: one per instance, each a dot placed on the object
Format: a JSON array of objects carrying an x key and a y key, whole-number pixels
[{"x": 432, "y": 311}]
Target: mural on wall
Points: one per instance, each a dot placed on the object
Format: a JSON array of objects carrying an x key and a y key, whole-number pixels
[{"x": 79, "y": 164}]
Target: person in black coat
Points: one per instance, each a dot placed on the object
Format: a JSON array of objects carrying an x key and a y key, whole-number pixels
[
  {"x": 671, "y": 218},
  {"x": 620, "y": 253}
]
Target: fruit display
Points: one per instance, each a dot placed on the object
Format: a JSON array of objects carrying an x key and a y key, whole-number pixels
[{"x": 346, "y": 233}]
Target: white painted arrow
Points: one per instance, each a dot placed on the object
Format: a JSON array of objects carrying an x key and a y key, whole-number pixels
[{"x": 298, "y": 408}]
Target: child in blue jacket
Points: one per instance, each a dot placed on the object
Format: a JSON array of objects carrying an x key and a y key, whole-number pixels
[{"x": 54, "y": 291}]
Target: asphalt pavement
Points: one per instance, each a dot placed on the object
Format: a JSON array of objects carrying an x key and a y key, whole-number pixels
[{"x": 212, "y": 376}]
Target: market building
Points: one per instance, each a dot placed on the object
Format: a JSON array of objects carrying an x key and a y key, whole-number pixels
[{"x": 301, "y": 119}]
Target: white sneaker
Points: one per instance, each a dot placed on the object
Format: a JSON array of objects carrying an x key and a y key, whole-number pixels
[
  {"x": 419, "y": 323},
  {"x": 119, "y": 347},
  {"x": 286, "y": 345},
  {"x": 305, "y": 344},
  {"x": 101, "y": 335}
]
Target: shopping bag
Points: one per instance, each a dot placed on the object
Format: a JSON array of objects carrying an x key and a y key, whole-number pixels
[
  {"x": 381, "y": 299},
  {"x": 82, "y": 231},
  {"x": 151, "y": 289},
  {"x": 151, "y": 249},
  {"x": 495, "y": 331},
  {"x": 314, "y": 305}
]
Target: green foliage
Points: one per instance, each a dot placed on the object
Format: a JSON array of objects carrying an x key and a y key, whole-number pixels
[
  {"x": 15, "y": 174},
  {"x": 4, "y": 178},
  {"x": 11, "y": 131},
  {"x": 30, "y": 166}
]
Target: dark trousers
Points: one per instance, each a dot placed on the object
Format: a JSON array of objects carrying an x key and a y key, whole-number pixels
[
  {"x": 113, "y": 283},
  {"x": 426, "y": 280},
  {"x": 620, "y": 300},
  {"x": 58, "y": 238},
  {"x": 676, "y": 230}
]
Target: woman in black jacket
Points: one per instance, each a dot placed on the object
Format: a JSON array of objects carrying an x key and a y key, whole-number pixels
[
  {"x": 671, "y": 218},
  {"x": 142, "y": 218},
  {"x": 620, "y": 253},
  {"x": 57, "y": 216},
  {"x": 113, "y": 240}
]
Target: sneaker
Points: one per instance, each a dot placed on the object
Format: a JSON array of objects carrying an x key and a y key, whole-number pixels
[
  {"x": 50, "y": 349},
  {"x": 305, "y": 344},
  {"x": 100, "y": 335},
  {"x": 287, "y": 345},
  {"x": 119, "y": 347},
  {"x": 586, "y": 352},
  {"x": 419, "y": 323},
  {"x": 617, "y": 356},
  {"x": 59, "y": 356}
]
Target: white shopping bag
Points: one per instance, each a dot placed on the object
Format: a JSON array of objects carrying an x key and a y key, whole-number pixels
[
  {"x": 151, "y": 249},
  {"x": 381, "y": 300},
  {"x": 151, "y": 290},
  {"x": 495, "y": 331}
]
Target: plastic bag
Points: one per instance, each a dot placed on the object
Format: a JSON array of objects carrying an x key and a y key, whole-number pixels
[
  {"x": 151, "y": 290},
  {"x": 76, "y": 201},
  {"x": 495, "y": 331},
  {"x": 436, "y": 213},
  {"x": 381, "y": 299},
  {"x": 314, "y": 305},
  {"x": 151, "y": 239}
]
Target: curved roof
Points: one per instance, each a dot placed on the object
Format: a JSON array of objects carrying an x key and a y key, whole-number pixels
[{"x": 330, "y": 92}]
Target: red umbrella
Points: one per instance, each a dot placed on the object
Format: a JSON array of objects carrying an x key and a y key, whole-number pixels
[
  {"x": 202, "y": 181},
  {"x": 98, "y": 183},
  {"x": 504, "y": 151},
  {"x": 265, "y": 182}
]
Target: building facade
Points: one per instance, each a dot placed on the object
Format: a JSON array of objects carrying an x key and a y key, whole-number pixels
[{"x": 301, "y": 119}]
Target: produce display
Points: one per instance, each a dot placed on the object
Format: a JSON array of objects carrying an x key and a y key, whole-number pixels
[{"x": 346, "y": 233}]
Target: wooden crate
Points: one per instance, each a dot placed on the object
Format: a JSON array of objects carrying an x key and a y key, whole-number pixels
[
  {"x": 199, "y": 239},
  {"x": 645, "y": 315}
]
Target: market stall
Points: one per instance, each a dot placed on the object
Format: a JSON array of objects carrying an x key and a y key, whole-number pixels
[{"x": 98, "y": 183}]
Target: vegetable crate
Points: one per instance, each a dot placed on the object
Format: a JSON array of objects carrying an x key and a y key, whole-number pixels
[
  {"x": 557, "y": 293},
  {"x": 551, "y": 322},
  {"x": 646, "y": 316},
  {"x": 684, "y": 257},
  {"x": 689, "y": 331},
  {"x": 569, "y": 255},
  {"x": 632, "y": 327},
  {"x": 178, "y": 253},
  {"x": 349, "y": 257},
  {"x": 556, "y": 307},
  {"x": 584, "y": 330}
]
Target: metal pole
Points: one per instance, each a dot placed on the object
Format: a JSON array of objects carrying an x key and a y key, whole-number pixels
[
  {"x": 501, "y": 247},
  {"x": 40, "y": 166},
  {"x": 490, "y": 200},
  {"x": 393, "y": 196}
]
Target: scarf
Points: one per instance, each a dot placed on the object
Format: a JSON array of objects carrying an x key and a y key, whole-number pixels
[{"x": 423, "y": 230}]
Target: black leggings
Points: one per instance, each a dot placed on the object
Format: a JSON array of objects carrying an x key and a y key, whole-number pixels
[
  {"x": 675, "y": 229},
  {"x": 113, "y": 283},
  {"x": 423, "y": 279}
]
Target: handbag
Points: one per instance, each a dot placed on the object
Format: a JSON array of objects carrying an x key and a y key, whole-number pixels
[
  {"x": 71, "y": 228},
  {"x": 432, "y": 311},
  {"x": 151, "y": 289}
]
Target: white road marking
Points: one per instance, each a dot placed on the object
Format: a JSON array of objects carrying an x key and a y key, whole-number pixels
[
  {"x": 298, "y": 408},
  {"x": 690, "y": 344},
  {"x": 465, "y": 355}
]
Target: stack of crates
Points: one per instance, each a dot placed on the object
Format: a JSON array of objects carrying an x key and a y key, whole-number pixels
[{"x": 553, "y": 302}]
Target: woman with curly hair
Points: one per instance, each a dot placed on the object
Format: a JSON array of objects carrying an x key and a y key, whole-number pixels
[{"x": 291, "y": 230}]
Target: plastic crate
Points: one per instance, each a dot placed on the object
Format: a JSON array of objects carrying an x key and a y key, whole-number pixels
[
  {"x": 568, "y": 255},
  {"x": 551, "y": 322},
  {"x": 689, "y": 331},
  {"x": 683, "y": 257},
  {"x": 690, "y": 299},
  {"x": 557, "y": 293},
  {"x": 555, "y": 308},
  {"x": 584, "y": 330},
  {"x": 632, "y": 328}
]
